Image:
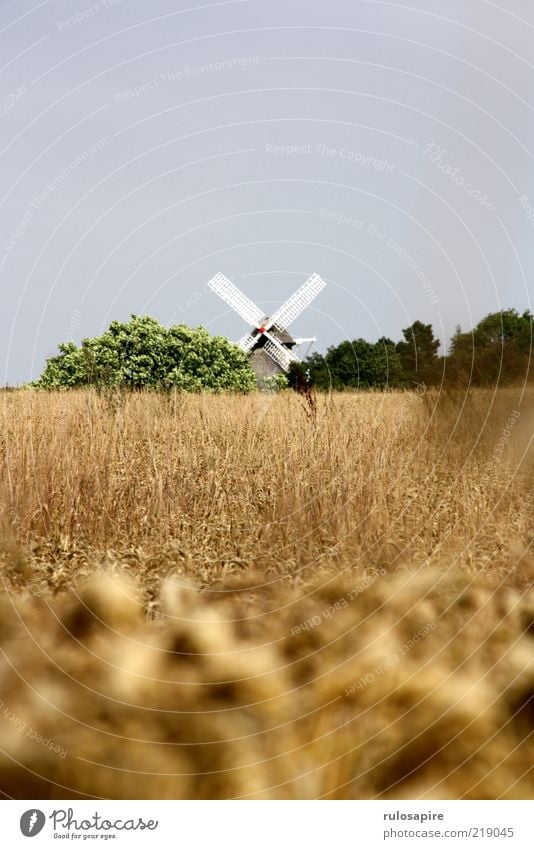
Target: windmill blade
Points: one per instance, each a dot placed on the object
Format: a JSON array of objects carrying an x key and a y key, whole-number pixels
[
  {"x": 296, "y": 303},
  {"x": 247, "y": 342},
  {"x": 279, "y": 353},
  {"x": 235, "y": 298}
]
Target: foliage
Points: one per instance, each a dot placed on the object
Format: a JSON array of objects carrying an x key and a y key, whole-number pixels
[
  {"x": 418, "y": 354},
  {"x": 499, "y": 349},
  {"x": 357, "y": 365},
  {"x": 142, "y": 353},
  {"x": 275, "y": 382}
]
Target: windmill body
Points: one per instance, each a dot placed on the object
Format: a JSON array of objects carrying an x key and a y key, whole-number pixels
[
  {"x": 270, "y": 344},
  {"x": 263, "y": 363}
]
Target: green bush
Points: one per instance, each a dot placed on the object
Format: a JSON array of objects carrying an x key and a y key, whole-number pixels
[
  {"x": 142, "y": 353},
  {"x": 274, "y": 382}
]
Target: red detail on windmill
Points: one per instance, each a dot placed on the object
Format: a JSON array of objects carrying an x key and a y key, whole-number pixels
[{"x": 261, "y": 329}]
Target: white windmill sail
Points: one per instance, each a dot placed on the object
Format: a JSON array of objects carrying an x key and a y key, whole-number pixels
[
  {"x": 247, "y": 342},
  {"x": 279, "y": 353},
  {"x": 235, "y": 298},
  {"x": 297, "y": 303}
]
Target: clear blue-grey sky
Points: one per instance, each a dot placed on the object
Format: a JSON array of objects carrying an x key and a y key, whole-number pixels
[{"x": 386, "y": 145}]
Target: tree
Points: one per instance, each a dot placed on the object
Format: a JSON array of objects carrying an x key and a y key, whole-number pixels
[
  {"x": 418, "y": 354},
  {"x": 356, "y": 365},
  {"x": 142, "y": 353},
  {"x": 498, "y": 350}
]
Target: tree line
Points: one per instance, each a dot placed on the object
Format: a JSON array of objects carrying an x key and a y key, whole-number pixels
[
  {"x": 498, "y": 350},
  {"x": 142, "y": 353}
]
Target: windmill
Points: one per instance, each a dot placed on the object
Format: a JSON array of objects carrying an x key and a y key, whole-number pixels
[{"x": 268, "y": 341}]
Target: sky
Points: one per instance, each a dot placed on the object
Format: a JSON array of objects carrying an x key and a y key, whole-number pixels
[{"x": 387, "y": 146}]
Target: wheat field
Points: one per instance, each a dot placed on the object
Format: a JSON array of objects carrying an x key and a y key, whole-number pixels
[{"x": 267, "y": 596}]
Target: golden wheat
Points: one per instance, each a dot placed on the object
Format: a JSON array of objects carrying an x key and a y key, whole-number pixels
[{"x": 224, "y": 596}]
